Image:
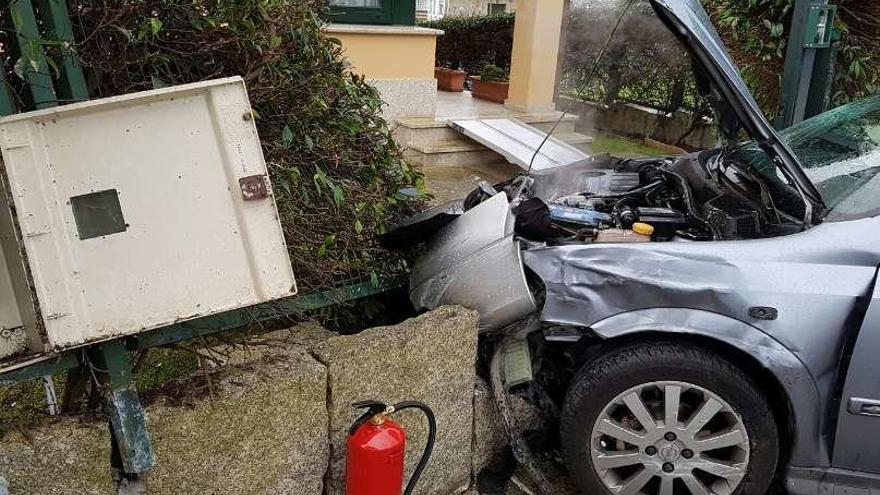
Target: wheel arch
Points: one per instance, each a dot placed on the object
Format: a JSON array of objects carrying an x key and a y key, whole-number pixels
[{"x": 758, "y": 354}]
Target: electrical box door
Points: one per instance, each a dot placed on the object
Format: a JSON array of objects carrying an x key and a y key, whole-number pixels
[{"x": 143, "y": 210}]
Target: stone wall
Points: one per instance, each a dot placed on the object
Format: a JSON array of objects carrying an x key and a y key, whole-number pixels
[
  {"x": 432, "y": 359},
  {"x": 273, "y": 420},
  {"x": 264, "y": 431},
  {"x": 633, "y": 120}
]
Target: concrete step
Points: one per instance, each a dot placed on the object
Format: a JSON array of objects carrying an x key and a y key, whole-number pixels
[
  {"x": 450, "y": 153},
  {"x": 465, "y": 151},
  {"x": 573, "y": 138},
  {"x": 412, "y": 131},
  {"x": 576, "y": 139},
  {"x": 451, "y": 146}
]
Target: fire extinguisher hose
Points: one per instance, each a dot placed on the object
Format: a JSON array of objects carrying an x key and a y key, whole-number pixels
[{"x": 429, "y": 445}]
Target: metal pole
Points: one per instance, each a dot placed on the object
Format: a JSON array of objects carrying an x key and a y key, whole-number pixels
[
  {"x": 6, "y": 107},
  {"x": 110, "y": 363},
  {"x": 30, "y": 45},
  {"x": 51, "y": 398},
  {"x": 806, "y": 62},
  {"x": 823, "y": 78},
  {"x": 56, "y": 20}
]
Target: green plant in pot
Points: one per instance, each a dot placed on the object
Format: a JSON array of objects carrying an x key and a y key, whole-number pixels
[
  {"x": 492, "y": 72},
  {"x": 492, "y": 84}
]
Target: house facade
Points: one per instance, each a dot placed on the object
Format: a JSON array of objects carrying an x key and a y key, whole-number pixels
[
  {"x": 383, "y": 42},
  {"x": 430, "y": 10},
  {"x": 479, "y": 7}
]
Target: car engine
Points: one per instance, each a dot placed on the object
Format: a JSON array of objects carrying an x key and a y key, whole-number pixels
[
  {"x": 611, "y": 200},
  {"x": 698, "y": 197}
]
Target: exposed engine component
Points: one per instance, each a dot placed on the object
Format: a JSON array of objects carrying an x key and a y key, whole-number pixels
[
  {"x": 608, "y": 183},
  {"x": 586, "y": 204},
  {"x": 583, "y": 216},
  {"x": 606, "y": 199},
  {"x": 621, "y": 235},
  {"x": 666, "y": 221},
  {"x": 733, "y": 218},
  {"x": 627, "y": 215}
]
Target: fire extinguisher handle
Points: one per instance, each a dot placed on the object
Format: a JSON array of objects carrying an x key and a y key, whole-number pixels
[
  {"x": 373, "y": 408},
  {"x": 429, "y": 444}
]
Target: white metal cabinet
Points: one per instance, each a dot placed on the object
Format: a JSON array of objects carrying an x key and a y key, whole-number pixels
[
  {"x": 146, "y": 209},
  {"x": 16, "y": 304},
  {"x": 12, "y": 335}
]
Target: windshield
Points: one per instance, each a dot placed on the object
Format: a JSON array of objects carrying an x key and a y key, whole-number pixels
[{"x": 840, "y": 153}]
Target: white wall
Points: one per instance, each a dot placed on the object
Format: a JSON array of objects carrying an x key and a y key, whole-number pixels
[
  {"x": 475, "y": 7},
  {"x": 430, "y": 10}
]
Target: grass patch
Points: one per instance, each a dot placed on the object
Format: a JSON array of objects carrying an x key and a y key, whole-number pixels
[
  {"x": 623, "y": 147},
  {"x": 24, "y": 404},
  {"x": 161, "y": 365}
]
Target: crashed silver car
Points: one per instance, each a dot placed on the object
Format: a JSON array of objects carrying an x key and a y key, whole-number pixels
[{"x": 700, "y": 324}]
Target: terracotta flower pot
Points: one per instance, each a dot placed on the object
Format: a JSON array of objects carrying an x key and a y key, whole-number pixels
[
  {"x": 449, "y": 79},
  {"x": 495, "y": 91}
]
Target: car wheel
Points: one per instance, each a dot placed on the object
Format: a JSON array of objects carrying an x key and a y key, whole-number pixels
[{"x": 666, "y": 418}]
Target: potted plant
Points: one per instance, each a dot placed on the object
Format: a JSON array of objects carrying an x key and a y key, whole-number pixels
[
  {"x": 492, "y": 84},
  {"x": 449, "y": 79}
]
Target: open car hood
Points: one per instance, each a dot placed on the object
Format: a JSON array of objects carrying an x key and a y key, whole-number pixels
[{"x": 734, "y": 104}]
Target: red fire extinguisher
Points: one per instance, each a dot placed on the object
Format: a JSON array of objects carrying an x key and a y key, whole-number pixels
[{"x": 376, "y": 448}]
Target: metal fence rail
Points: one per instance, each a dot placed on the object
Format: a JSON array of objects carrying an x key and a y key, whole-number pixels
[{"x": 37, "y": 28}]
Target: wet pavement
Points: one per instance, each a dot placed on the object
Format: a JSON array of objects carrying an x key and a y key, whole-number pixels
[
  {"x": 455, "y": 182},
  {"x": 464, "y": 106}
]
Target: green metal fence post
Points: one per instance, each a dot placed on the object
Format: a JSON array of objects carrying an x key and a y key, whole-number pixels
[
  {"x": 57, "y": 23},
  {"x": 805, "y": 63},
  {"x": 127, "y": 419},
  {"x": 38, "y": 369},
  {"x": 39, "y": 79},
  {"x": 6, "y": 107},
  {"x": 823, "y": 78}
]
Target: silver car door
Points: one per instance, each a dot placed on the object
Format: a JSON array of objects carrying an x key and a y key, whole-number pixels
[{"x": 857, "y": 442}]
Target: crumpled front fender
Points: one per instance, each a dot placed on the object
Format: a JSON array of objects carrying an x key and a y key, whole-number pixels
[
  {"x": 799, "y": 385},
  {"x": 475, "y": 262}
]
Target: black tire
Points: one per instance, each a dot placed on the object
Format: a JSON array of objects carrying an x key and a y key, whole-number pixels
[{"x": 603, "y": 379}]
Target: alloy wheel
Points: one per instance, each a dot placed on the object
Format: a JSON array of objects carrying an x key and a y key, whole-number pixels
[{"x": 669, "y": 438}]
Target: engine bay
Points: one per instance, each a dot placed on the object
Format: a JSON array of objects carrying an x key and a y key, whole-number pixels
[
  {"x": 699, "y": 197},
  {"x": 604, "y": 199}
]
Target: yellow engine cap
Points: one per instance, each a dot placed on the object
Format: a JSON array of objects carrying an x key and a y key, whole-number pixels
[{"x": 643, "y": 228}]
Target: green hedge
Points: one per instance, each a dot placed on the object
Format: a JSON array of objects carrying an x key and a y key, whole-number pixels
[
  {"x": 756, "y": 34},
  {"x": 643, "y": 63},
  {"x": 469, "y": 43}
]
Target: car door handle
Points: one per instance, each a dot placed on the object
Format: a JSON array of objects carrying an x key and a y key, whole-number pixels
[{"x": 864, "y": 407}]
